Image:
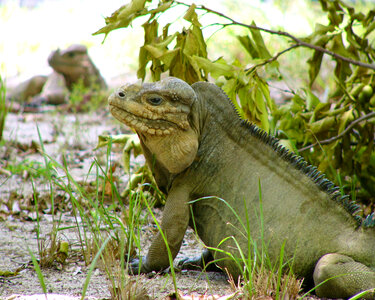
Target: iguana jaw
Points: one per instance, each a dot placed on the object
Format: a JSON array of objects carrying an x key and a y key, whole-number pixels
[{"x": 140, "y": 124}]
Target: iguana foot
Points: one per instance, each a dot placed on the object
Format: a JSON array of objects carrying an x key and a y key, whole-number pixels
[
  {"x": 339, "y": 276},
  {"x": 140, "y": 266},
  {"x": 35, "y": 104},
  {"x": 205, "y": 261}
]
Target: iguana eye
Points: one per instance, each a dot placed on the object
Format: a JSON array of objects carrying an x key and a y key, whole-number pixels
[
  {"x": 155, "y": 100},
  {"x": 121, "y": 94}
]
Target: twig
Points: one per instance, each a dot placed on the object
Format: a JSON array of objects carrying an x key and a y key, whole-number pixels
[
  {"x": 346, "y": 130},
  {"x": 299, "y": 43},
  {"x": 273, "y": 58}
]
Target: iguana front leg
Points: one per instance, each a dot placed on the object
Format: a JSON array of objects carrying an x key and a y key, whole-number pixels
[
  {"x": 174, "y": 224},
  {"x": 54, "y": 90},
  {"x": 339, "y": 276}
]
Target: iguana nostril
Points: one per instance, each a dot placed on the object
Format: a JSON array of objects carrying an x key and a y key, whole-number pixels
[{"x": 121, "y": 94}]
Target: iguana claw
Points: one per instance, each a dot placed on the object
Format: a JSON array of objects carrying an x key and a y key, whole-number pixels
[
  {"x": 138, "y": 266},
  {"x": 188, "y": 263},
  {"x": 199, "y": 262}
]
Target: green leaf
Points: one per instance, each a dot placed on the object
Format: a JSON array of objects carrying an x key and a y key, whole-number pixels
[
  {"x": 123, "y": 16},
  {"x": 369, "y": 24},
  {"x": 151, "y": 34},
  {"x": 192, "y": 16},
  {"x": 345, "y": 119},
  {"x": 163, "y": 6},
  {"x": 230, "y": 88},
  {"x": 166, "y": 41},
  {"x": 263, "y": 87},
  {"x": 169, "y": 57},
  {"x": 311, "y": 100},
  {"x": 322, "y": 125},
  {"x": 166, "y": 56},
  {"x": 249, "y": 46},
  {"x": 323, "y": 29},
  {"x": 324, "y": 5},
  {"x": 259, "y": 42},
  {"x": 352, "y": 38},
  {"x": 193, "y": 43},
  {"x": 261, "y": 111},
  {"x": 314, "y": 65},
  {"x": 253, "y": 105},
  {"x": 197, "y": 32},
  {"x": 128, "y": 11},
  {"x": 151, "y": 31},
  {"x": 322, "y": 40},
  {"x": 154, "y": 51},
  {"x": 216, "y": 68},
  {"x": 297, "y": 104},
  {"x": 339, "y": 47},
  {"x": 342, "y": 70},
  {"x": 196, "y": 69},
  {"x": 287, "y": 144},
  {"x": 143, "y": 59},
  {"x": 335, "y": 16}
]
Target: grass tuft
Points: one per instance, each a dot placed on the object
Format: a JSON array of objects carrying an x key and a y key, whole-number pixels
[
  {"x": 259, "y": 276},
  {"x": 3, "y": 107}
]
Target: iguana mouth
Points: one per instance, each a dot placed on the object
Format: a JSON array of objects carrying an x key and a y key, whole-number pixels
[{"x": 146, "y": 123}]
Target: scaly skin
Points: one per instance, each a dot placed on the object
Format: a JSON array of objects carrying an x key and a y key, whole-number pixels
[
  {"x": 201, "y": 152},
  {"x": 69, "y": 67}
]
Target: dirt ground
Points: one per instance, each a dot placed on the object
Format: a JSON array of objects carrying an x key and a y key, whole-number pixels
[{"x": 75, "y": 136}]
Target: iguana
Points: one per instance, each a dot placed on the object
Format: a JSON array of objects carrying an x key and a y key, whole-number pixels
[
  {"x": 69, "y": 67},
  {"x": 208, "y": 161}
]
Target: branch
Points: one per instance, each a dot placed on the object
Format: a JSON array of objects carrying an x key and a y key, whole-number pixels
[
  {"x": 347, "y": 129},
  {"x": 299, "y": 43},
  {"x": 308, "y": 45}
]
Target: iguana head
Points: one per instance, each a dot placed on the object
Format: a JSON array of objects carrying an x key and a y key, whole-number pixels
[
  {"x": 72, "y": 60},
  {"x": 160, "y": 113},
  {"x": 75, "y": 64}
]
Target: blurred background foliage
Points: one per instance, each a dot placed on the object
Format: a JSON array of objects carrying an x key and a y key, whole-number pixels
[{"x": 328, "y": 118}]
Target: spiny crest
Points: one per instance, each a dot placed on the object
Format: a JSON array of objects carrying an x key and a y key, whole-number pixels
[
  {"x": 369, "y": 221},
  {"x": 312, "y": 172}
]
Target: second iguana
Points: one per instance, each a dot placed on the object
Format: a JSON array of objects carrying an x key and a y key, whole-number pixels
[
  {"x": 213, "y": 167},
  {"x": 70, "y": 66}
]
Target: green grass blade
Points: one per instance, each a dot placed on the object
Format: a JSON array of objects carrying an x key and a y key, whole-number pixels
[
  {"x": 38, "y": 272},
  {"x": 361, "y": 294},
  {"x": 48, "y": 172},
  {"x": 279, "y": 271},
  {"x": 166, "y": 245},
  {"x": 3, "y": 108},
  {"x": 92, "y": 267}
]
